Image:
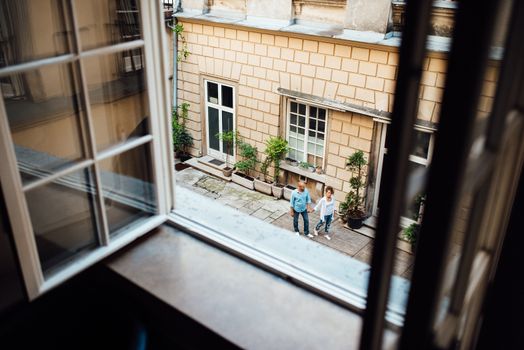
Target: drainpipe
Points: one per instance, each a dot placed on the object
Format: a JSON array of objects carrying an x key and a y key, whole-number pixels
[{"x": 176, "y": 8}]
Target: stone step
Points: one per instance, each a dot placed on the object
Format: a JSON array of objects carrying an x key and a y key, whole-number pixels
[
  {"x": 202, "y": 166},
  {"x": 212, "y": 162}
]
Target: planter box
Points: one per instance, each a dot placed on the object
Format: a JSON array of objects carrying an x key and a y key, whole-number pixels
[
  {"x": 263, "y": 187},
  {"x": 277, "y": 190},
  {"x": 243, "y": 180},
  {"x": 288, "y": 190}
]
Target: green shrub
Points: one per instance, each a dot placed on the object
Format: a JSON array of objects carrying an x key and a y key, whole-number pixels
[
  {"x": 411, "y": 232},
  {"x": 249, "y": 157},
  {"x": 182, "y": 139},
  {"x": 355, "y": 198},
  {"x": 276, "y": 150}
]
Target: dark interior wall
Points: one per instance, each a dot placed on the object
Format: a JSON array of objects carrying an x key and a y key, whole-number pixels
[{"x": 11, "y": 284}]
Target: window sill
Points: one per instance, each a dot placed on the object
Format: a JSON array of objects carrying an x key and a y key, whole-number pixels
[
  {"x": 246, "y": 305},
  {"x": 327, "y": 272},
  {"x": 306, "y": 173}
]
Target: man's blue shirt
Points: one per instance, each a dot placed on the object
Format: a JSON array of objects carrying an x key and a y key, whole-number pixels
[{"x": 300, "y": 200}]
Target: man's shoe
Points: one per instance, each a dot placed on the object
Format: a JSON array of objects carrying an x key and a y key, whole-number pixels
[
  {"x": 297, "y": 233},
  {"x": 315, "y": 232},
  {"x": 327, "y": 237},
  {"x": 310, "y": 235}
]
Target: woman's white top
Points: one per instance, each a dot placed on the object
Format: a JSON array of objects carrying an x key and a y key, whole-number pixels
[{"x": 326, "y": 207}]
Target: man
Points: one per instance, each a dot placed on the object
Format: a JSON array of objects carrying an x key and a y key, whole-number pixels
[{"x": 300, "y": 205}]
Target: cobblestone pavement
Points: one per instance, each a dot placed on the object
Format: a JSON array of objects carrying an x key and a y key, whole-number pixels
[{"x": 275, "y": 211}]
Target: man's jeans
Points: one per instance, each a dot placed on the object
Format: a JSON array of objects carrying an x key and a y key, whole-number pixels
[
  {"x": 327, "y": 220},
  {"x": 306, "y": 221}
]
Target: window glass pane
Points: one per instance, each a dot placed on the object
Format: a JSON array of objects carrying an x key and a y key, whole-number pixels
[
  {"x": 293, "y": 119},
  {"x": 292, "y": 129},
  {"x": 321, "y": 126},
  {"x": 421, "y": 145},
  {"x": 119, "y": 102},
  {"x": 311, "y": 134},
  {"x": 293, "y": 107},
  {"x": 312, "y": 124},
  {"x": 318, "y": 161},
  {"x": 320, "y": 137},
  {"x": 23, "y": 38},
  {"x": 302, "y": 109},
  {"x": 313, "y": 112},
  {"x": 63, "y": 217},
  {"x": 301, "y": 133},
  {"x": 292, "y": 154},
  {"x": 227, "y": 125},
  {"x": 300, "y": 156},
  {"x": 321, "y": 114},
  {"x": 227, "y": 96},
  {"x": 213, "y": 128},
  {"x": 311, "y": 147},
  {"x": 128, "y": 188},
  {"x": 311, "y": 158},
  {"x": 292, "y": 142},
  {"x": 212, "y": 92},
  {"x": 320, "y": 150},
  {"x": 45, "y": 120},
  {"x": 301, "y": 121},
  {"x": 107, "y": 22}
]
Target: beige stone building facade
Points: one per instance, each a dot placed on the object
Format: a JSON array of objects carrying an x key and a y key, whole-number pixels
[{"x": 284, "y": 81}]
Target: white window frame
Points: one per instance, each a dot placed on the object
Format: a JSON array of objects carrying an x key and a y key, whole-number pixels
[
  {"x": 155, "y": 51},
  {"x": 211, "y": 152},
  {"x": 404, "y": 221},
  {"x": 306, "y": 135}
]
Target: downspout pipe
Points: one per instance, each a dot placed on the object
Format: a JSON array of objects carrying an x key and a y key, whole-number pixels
[{"x": 176, "y": 8}]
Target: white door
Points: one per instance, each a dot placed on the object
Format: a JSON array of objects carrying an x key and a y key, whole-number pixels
[{"x": 220, "y": 117}]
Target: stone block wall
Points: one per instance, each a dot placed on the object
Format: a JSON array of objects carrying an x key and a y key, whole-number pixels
[{"x": 259, "y": 62}]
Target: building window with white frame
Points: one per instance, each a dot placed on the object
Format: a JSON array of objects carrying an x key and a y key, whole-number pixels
[
  {"x": 420, "y": 157},
  {"x": 306, "y": 133}
]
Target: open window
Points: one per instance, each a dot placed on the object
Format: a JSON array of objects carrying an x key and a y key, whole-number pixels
[{"x": 81, "y": 151}]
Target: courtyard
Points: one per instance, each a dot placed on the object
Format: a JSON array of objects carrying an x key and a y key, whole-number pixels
[{"x": 275, "y": 211}]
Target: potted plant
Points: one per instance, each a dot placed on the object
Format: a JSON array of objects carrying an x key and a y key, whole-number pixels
[
  {"x": 182, "y": 139},
  {"x": 291, "y": 161},
  {"x": 355, "y": 198},
  {"x": 343, "y": 210},
  {"x": 276, "y": 149},
  {"x": 246, "y": 165},
  {"x": 307, "y": 166},
  {"x": 303, "y": 165},
  {"x": 288, "y": 190},
  {"x": 411, "y": 232},
  {"x": 229, "y": 139},
  {"x": 262, "y": 183}
]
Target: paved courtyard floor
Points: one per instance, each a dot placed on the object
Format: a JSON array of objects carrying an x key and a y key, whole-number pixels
[{"x": 275, "y": 211}]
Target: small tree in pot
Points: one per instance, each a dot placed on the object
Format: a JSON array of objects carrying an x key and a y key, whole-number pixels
[
  {"x": 276, "y": 150},
  {"x": 262, "y": 183},
  {"x": 229, "y": 138},
  {"x": 355, "y": 198},
  {"x": 246, "y": 165}
]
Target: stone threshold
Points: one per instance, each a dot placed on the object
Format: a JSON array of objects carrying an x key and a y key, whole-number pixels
[{"x": 203, "y": 165}]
